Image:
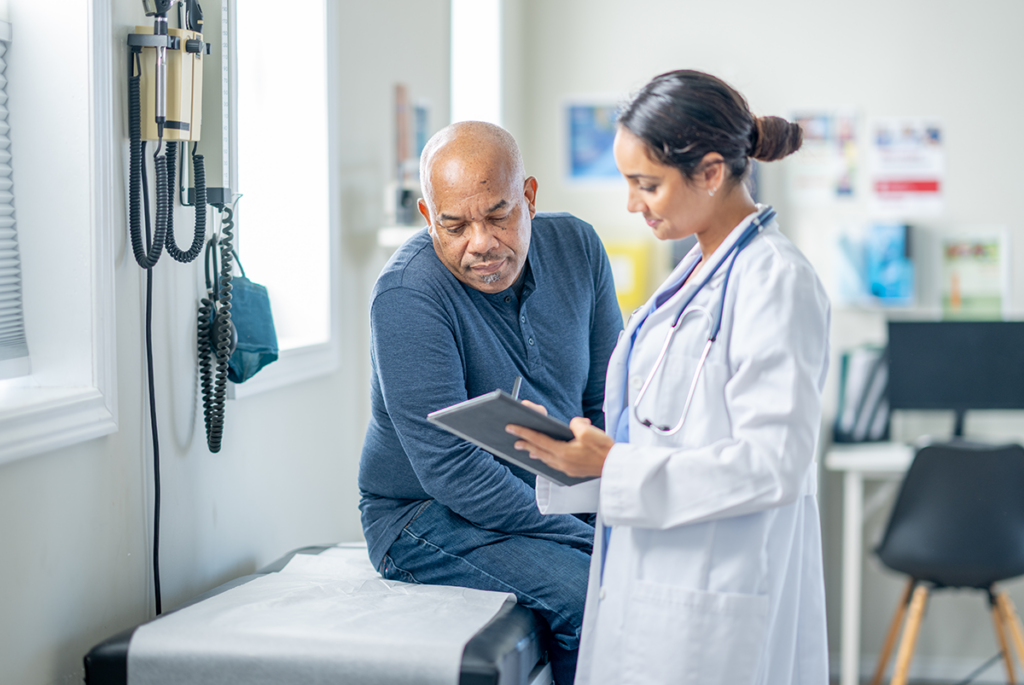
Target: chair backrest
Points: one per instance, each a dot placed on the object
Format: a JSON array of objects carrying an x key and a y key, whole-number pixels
[{"x": 959, "y": 518}]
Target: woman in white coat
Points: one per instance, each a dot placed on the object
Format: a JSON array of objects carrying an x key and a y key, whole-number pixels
[{"x": 707, "y": 557}]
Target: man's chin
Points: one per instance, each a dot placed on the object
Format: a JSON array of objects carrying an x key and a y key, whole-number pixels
[
  {"x": 489, "y": 283},
  {"x": 491, "y": 279}
]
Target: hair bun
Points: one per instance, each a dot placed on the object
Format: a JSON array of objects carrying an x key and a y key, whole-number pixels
[{"x": 773, "y": 138}]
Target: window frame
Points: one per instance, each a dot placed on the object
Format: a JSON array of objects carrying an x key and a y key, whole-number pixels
[{"x": 34, "y": 420}]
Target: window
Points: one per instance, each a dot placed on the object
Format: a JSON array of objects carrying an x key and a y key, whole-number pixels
[
  {"x": 284, "y": 219},
  {"x": 63, "y": 143},
  {"x": 476, "y": 60},
  {"x": 13, "y": 347}
]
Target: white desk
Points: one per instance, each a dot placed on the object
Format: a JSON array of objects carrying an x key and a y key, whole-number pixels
[{"x": 876, "y": 461}]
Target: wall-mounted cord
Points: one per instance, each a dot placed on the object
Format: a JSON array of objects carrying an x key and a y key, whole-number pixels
[
  {"x": 214, "y": 330},
  {"x": 164, "y": 160},
  {"x": 137, "y": 178},
  {"x": 156, "y": 440},
  {"x": 199, "y": 176}
]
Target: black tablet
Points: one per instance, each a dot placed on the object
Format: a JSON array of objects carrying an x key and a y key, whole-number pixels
[{"x": 482, "y": 421}]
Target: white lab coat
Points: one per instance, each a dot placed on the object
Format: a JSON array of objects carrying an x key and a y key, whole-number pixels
[{"x": 714, "y": 569}]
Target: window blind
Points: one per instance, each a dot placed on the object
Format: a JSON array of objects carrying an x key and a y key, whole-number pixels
[{"x": 14, "y": 360}]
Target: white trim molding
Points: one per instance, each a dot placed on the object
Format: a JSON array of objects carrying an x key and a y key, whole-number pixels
[
  {"x": 40, "y": 419},
  {"x": 105, "y": 215},
  {"x": 45, "y": 419},
  {"x": 292, "y": 366}
]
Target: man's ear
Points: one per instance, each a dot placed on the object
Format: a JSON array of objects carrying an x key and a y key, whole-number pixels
[
  {"x": 530, "y": 192},
  {"x": 425, "y": 211}
]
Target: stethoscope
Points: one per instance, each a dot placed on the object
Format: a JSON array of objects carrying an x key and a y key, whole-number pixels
[{"x": 749, "y": 233}]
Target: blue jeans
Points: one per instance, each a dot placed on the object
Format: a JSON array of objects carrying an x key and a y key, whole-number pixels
[{"x": 439, "y": 547}]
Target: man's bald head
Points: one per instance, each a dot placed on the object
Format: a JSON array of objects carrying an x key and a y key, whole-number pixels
[
  {"x": 470, "y": 146},
  {"x": 478, "y": 203}
]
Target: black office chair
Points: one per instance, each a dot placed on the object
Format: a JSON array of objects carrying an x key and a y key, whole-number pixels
[{"x": 958, "y": 522}]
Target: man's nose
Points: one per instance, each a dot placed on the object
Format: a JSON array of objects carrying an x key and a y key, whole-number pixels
[{"x": 481, "y": 240}]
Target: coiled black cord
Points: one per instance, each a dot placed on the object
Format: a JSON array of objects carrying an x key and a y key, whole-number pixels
[
  {"x": 215, "y": 331},
  {"x": 147, "y": 257},
  {"x": 164, "y": 160},
  {"x": 199, "y": 176}
]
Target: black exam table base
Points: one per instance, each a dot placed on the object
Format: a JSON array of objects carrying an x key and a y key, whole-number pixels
[{"x": 505, "y": 652}]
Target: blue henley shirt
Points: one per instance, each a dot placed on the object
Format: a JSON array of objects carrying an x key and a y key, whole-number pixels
[{"x": 436, "y": 341}]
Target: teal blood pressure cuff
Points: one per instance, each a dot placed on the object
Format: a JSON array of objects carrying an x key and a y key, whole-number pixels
[{"x": 254, "y": 323}]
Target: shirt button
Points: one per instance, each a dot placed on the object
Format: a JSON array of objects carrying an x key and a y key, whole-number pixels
[
  {"x": 530, "y": 341},
  {"x": 522, "y": 319},
  {"x": 508, "y": 298},
  {"x": 603, "y": 593}
]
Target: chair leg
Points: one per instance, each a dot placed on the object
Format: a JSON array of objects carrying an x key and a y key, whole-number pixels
[
  {"x": 1000, "y": 621},
  {"x": 909, "y": 640},
  {"x": 1013, "y": 621},
  {"x": 894, "y": 631}
]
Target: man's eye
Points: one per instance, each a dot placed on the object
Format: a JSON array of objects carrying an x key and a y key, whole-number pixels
[
  {"x": 452, "y": 230},
  {"x": 499, "y": 219}
]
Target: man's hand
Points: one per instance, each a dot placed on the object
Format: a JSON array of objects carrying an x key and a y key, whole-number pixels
[
  {"x": 536, "y": 407},
  {"x": 582, "y": 456}
]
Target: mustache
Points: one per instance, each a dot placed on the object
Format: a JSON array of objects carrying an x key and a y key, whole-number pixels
[{"x": 485, "y": 258}]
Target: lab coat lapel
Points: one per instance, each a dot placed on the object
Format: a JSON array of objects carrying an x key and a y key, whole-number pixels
[
  {"x": 671, "y": 307},
  {"x": 615, "y": 380}
]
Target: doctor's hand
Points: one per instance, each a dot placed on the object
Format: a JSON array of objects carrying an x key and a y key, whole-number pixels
[{"x": 584, "y": 455}]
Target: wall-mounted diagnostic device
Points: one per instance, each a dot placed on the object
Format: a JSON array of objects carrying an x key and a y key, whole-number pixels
[
  {"x": 167, "y": 107},
  {"x": 165, "y": 81},
  {"x": 168, "y": 100}
]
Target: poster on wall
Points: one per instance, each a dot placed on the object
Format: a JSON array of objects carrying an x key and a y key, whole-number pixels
[
  {"x": 825, "y": 169},
  {"x": 874, "y": 265},
  {"x": 907, "y": 167},
  {"x": 975, "y": 275},
  {"x": 590, "y": 132}
]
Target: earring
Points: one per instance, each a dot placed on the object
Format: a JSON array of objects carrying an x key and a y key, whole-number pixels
[{"x": 711, "y": 193}]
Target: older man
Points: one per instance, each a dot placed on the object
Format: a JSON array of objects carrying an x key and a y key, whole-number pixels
[{"x": 489, "y": 291}]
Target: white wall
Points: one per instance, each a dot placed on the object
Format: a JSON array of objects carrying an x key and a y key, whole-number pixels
[
  {"x": 955, "y": 61},
  {"x": 75, "y": 524}
]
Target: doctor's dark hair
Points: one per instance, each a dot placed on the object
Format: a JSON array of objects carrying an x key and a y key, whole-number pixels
[{"x": 683, "y": 115}]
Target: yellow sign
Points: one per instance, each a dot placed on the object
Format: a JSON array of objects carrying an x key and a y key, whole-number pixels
[{"x": 631, "y": 269}]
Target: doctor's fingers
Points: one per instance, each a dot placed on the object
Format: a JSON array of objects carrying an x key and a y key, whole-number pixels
[
  {"x": 584, "y": 455},
  {"x": 532, "y": 440}
]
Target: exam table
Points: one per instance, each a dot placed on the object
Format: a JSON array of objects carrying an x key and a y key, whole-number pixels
[{"x": 505, "y": 651}]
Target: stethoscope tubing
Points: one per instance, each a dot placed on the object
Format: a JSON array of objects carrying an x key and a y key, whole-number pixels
[{"x": 749, "y": 233}]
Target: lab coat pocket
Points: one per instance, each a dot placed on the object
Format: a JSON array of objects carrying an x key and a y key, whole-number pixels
[{"x": 679, "y": 635}]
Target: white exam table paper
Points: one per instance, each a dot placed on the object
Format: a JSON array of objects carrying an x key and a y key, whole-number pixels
[{"x": 327, "y": 618}]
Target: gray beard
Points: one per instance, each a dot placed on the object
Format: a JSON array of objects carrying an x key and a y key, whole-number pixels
[{"x": 491, "y": 278}]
